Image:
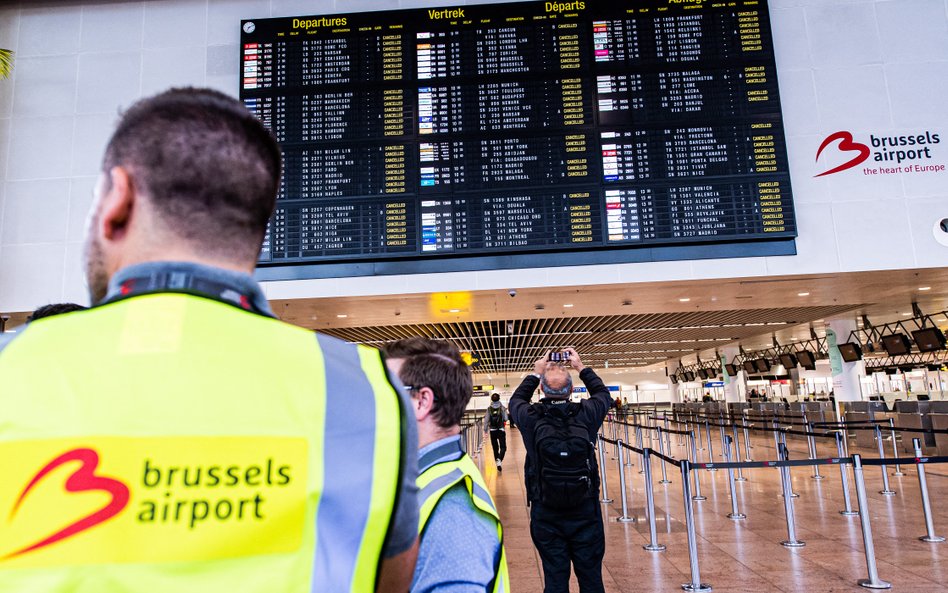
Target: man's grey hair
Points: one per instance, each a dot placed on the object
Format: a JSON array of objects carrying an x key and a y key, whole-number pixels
[{"x": 563, "y": 392}]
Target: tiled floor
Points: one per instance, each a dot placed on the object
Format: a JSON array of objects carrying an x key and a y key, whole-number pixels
[{"x": 746, "y": 555}]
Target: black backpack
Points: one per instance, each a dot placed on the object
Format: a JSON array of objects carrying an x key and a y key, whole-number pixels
[
  {"x": 496, "y": 420},
  {"x": 564, "y": 466}
]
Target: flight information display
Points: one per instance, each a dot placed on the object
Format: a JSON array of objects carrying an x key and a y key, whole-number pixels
[{"x": 515, "y": 128}]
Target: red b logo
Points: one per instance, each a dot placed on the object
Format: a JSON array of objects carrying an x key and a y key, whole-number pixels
[
  {"x": 846, "y": 144},
  {"x": 83, "y": 479}
]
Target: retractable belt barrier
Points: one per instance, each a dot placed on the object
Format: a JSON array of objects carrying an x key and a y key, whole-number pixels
[{"x": 784, "y": 463}]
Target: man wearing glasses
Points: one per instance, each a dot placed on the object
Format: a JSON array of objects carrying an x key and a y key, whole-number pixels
[{"x": 461, "y": 548}]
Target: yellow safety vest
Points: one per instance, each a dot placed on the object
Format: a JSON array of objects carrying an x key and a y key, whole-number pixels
[
  {"x": 170, "y": 442},
  {"x": 438, "y": 479}
]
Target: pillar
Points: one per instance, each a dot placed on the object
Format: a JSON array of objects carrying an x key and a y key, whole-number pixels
[
  {"x": 735, "y": 388},
  {"x": 672, "y": 367},
  {"x": 846, "y": 375}
]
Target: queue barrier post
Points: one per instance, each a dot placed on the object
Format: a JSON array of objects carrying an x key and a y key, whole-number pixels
[
  {"x": 844, "y": 479},
  {"x": 735, "y": 514},
  {"x": 694, "y": 459},
  {"x": 615, "y": 439},
  {"x": 625, "y": 518},
  {"x": 661, "y": 449},
  {"x": 668, "y": 442},
  {"x": 926, "y": 503},
  {"x": 628, "y": 459},
  {"x": 895, "y": 448},
  {"x": 639, "y": 442},
  {"x": 886, "y": 491},
  {"x": 783, "y": 445},
  {"x": 698, "y": 423},
  {"x": 695, "y": 586},
  {"x": 737, "y": 455},
  {"x": 602, "y": 473},
  {"x": 723, "y": 434},
  {"x": 873, "y": 582},
  {"x": 791, "y": 541},
  {"x": 811, "y": 445},
  {"x": 707, "y": 429},
  {"x": 652, "y": 545},
  {"x": 747, "y": 444}
]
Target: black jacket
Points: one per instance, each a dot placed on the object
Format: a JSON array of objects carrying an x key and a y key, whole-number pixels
[{"x": 592, "y": 412}]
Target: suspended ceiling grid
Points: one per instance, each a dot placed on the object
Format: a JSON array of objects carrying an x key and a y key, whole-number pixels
[{"x": 636, "y": 340}]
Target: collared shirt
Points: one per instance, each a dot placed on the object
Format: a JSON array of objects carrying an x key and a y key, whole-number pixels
[
  {"x": 459, "y": 548},
  {"x": 227, "y": 285}
]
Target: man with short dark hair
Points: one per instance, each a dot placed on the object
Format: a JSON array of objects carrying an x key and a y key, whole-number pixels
[
  {"x": 54, "y": 309},
  {"x": 565, "y": 518},
  {"x": 461, "y": 547},
  {"x": 218, "y": 443}
]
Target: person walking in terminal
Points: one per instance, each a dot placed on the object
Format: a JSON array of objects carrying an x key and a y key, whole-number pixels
[
  {"x": 461, "y": 534},
  {"x": 495, "y": 419},
  {"x": 219, "y": 443},
  {"x": 561, "y": 473}
]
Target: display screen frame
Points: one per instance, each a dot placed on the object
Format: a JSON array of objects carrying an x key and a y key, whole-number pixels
[
  {"x": 897, "y": 344},
  {"x": 730, "y": 246},
  {"x": 850, "y": 351},
  {"x": 929, "y": 339}
]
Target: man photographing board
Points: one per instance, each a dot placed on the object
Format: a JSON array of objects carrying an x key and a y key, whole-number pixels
[{"x": 561, "y": 473}]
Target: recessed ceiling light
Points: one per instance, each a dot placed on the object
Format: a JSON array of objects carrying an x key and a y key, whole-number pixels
[
  {"x": 454, "y": 310},
  {"x": 803, "y": 294},
  {"x": 568, "y": 305},
  {"x": 342, "y": 316},
  {"x": 906, "y": 314},
  {"x": 683, "y": 300},
  {"x": 924, "y": 287}
]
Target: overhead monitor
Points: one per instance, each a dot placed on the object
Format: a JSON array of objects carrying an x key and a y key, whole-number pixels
[
  {"x": 762, "y": 365},
  {"x": 520, "y": 134},
  {"x": 674, "y": 379},
  {"x": 713, "y": 372},
  {"x": 896, "y": 344},
  {"x": 929, "y": 339},
  {"x": 750, "y": 367},
  {"x": 689, "y": 376},
  {"x": 850, "y": 351},
  {"x": 789, "y": 361},
  {"x": 731, "y": 369},
  {"x": 807, "y": 360}
]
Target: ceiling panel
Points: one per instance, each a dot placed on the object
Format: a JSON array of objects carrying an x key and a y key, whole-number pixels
[{"x": 636, "y": 340}]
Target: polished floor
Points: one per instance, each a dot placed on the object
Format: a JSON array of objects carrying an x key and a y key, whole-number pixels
[{"x": 746, "y": 555}]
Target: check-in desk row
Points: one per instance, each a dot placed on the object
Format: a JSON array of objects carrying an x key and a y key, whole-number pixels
[{"x": 906, "y": 414}]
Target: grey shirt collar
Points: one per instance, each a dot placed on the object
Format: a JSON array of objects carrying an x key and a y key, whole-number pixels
[{"x": 174, "y": 276}]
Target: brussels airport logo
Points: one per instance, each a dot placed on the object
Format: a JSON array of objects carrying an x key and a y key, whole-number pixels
[
  {"x": 83, "y": 479},
  {"x": 907, "y": 154},
  {"x": 135, "y": 499}
]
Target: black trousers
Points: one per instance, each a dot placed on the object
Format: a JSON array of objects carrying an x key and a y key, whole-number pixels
[
  {"x": 498, "y": 442},
  {"x": 564, "y": 538}
]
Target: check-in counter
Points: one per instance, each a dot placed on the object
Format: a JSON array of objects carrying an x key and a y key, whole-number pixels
[
  {"x": 941, "y": 440},
  {"x": 914, "y": 414},
  {"x": 863, "y": 438}
]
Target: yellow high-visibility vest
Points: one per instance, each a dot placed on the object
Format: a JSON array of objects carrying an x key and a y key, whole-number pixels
[
  {"x": 438, "y": 479},
  {"x": 173, "y": 443}
]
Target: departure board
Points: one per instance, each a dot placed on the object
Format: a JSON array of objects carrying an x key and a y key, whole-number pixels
[{"x": 578, "y": 127}]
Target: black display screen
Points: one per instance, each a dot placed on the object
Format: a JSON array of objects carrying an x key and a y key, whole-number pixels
[
  {"x": 850, "y": 351},
  {"x": 519, "y": 128}
]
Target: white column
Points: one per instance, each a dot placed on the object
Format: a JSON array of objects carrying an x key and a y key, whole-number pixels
[
  {"x": 846, "y": 375},
  {"x": 672, "y": 367},
  {"x": 735, "y": 388}
]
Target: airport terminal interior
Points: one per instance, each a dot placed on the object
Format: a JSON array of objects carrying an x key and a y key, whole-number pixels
[{"x": 736, "y": 212}]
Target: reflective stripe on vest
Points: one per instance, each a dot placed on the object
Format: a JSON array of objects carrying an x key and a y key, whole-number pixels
[
  {"x": 225, "y": 451},
  {"x": 438, "y": 479}
]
